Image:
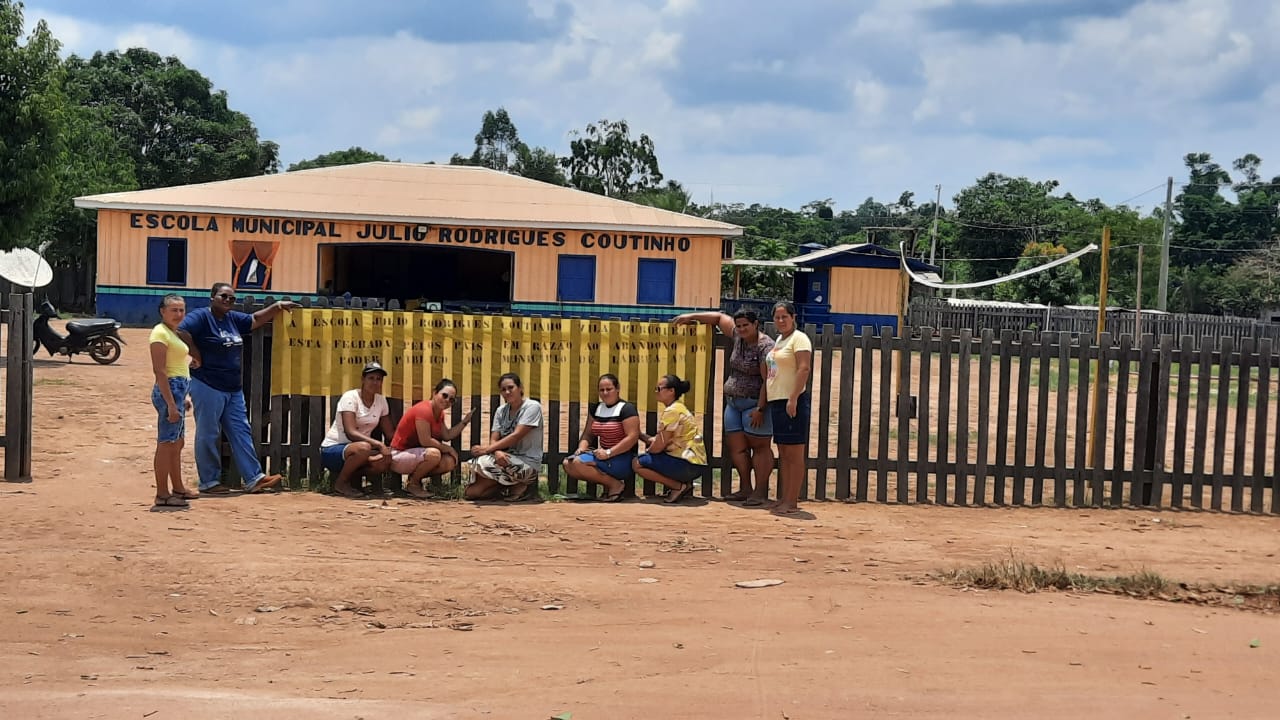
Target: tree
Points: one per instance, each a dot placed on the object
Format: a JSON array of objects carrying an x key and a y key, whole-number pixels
[
  {"x": 176, "y": 129},
  {"x": 998, "y": 216},
  {"x": 539, "y": 164},
  {"x": 350, "y": 156},
  {"x": 32, "y": 116},
  {"x": 604, "y": 159},
  {"x": 91, "y": 163},
  {"x": 499, "y": 147},
  {"x": 672, "y": 197},
  {"x": 1251, "y": 284},
  {"x": 1056, "y": 286}
]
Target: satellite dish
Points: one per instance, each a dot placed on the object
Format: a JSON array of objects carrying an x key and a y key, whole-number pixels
[{"x": 25, "y": 267}]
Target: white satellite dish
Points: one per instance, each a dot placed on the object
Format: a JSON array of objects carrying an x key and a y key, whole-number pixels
[{"x": 25, "y": 267}]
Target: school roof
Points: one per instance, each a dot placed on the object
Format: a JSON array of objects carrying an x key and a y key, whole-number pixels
[
  {"x": 408, "y": 192},
  {"x": 859, "y": 255}
]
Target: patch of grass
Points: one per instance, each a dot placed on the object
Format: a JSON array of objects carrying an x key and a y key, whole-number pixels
[
  {"x": 1015, "y": 573},
  {"x": 53, "y": 381}
]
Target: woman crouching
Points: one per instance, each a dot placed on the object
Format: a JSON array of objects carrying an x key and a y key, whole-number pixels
[
  {"x": 513, "y": 455},
  {"x": 675, "y": 455}
]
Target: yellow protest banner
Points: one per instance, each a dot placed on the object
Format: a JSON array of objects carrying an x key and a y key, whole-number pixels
[{"x": 321, "y": 352}]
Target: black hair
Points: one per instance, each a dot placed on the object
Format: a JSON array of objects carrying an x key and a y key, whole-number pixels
[
  {"x": 444, "y": 383},
  {"x": 218, "y": 286},
  {"x": 171, "y": 297},
  {"x": 675, "y": 383},
  {"x": 513, "y": 378},
  {"x": 790, "y": 307},
  {"x": 611, "y": 378},
  {"x": 746, "y": 313}
]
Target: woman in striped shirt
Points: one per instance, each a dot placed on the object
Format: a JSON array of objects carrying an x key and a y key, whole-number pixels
[{"x": 614, "y": 431}]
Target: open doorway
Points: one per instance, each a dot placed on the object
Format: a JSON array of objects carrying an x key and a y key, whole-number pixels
[{"x": 455, "y": 278}]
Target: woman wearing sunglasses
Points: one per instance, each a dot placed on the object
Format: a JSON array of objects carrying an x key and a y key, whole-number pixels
[
  {"x": 614, "y": 432},
  {"x": 676, "y": 456},
  {"x": 513, "y": 456},
  {"x": 421, "y": 443}
]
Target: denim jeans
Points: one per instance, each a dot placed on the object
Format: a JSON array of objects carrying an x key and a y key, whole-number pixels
[{"x": 215, "y": 412}]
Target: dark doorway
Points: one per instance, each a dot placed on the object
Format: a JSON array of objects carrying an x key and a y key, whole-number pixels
[{"x": 455, "y": 278}]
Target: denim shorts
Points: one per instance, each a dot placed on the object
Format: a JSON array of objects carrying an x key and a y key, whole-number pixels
[
  {"x": 737, "y": 418},
  {"x": 167, "y": 432},
  {"x": 615, "y": 467},
  {"x": 789, "y": 430},
  {"x": 333, "y": 457},
  {"x": 677, "y": 469}
]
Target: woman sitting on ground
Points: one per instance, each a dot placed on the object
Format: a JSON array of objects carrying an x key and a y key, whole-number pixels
[
  {"x": 421, "y": 446},
  {"x": 511, "y": 459},
  {"x": 676, "y": 456},
  {"x": 614, "y": 432},
  {"x": 748, "y": 428},
  {"x": 348, "y": 448}
]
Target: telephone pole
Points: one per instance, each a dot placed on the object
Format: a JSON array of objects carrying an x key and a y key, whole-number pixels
[
  {"x": 1162, "y": 292},
  {"x": 933, "y": 244}
]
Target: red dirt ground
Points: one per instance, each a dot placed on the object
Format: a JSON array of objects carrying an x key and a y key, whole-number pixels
[{"x": 305, "y": 606}]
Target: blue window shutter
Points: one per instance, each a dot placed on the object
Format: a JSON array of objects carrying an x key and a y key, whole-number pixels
[
  {"x": 157, "y": 261},
  {"x": 656, "y": 282},
  {"x": 576, "y": 278}
]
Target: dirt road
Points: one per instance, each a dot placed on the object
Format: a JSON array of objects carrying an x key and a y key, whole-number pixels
[{"x": 306, "y": 606}]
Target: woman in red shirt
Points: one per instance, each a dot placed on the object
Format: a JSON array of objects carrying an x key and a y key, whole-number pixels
[{"x": 421, "y": 443}]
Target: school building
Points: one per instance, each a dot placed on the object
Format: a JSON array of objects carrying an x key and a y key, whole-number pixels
[{"x": 439, "y": 237}]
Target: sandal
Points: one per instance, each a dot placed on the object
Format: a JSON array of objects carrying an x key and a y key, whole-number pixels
[
  {"x": 612, "y": 497},
  {"x": 188, "y": 495},
  {"x": 737, "y": 496},
  {"x": 685, "y": 490},
  {"x": 218, "y": 489},
  {"x": 524, "y": 495},
  {"x": 754, "y": 502},
  {"x": 171, "y": 501}
]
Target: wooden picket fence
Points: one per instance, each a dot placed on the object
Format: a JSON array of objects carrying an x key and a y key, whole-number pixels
[
  {"x": 17, "y": 320},
  {"x": 950, "y": 418},
  {"x": 938, "y": 313}
]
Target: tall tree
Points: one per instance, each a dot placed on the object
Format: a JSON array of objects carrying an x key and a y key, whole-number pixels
[
  {"x": 32, "y": 110},
  {"x": 176, "y": 128},
  {"x": 498, "y": 143},
  {"x": 540, "y": 164},
  {"x": 998, "y": 216},
  {"x": 350, "y": 156},
  {"x": 671, "y": 197},
  {"x": 92, "y": 162},
  {"x": 604, "y": 159}
]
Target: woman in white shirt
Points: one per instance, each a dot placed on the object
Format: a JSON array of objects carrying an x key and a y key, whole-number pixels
[{"x": 348, "y": 448}]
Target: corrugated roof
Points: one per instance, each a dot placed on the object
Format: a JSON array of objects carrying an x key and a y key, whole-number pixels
[
  {"x": 408, "y": 192},
  {"x": 816, "y": 258}
]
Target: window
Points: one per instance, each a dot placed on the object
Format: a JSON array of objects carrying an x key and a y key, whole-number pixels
[
  {"x": 166, "y": 261},
  {"x": 252, "y": 274},
  {"x": 576, "y": 280},
  {"x": 656, "y": 282},
  {"x": 726, "y": 248}
]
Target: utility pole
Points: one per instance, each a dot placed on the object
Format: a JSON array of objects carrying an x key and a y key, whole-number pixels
[
  {"x": 1095, "y": 451},
  {"x": 1162, "y": 292},
  {"x": 933, "y": 244},
  {"x": 1137, "y": 316}
]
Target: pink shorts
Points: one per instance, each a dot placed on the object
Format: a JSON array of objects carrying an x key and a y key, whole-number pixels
[{"x": 403, "y": 462}]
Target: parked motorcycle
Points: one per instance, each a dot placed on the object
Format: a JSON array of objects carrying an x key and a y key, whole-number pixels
[{"x": 100, "y": 337}]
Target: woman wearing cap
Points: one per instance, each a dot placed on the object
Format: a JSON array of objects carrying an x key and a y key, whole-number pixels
[
  {"x": 348, "y": 448},
  {"x": 421, "y": 442},
  {"x": 512, "y": 458},
  {"x": 676, "y": 456},
  {"x": 615, "y": 433},
  {"x": 748, "y": 429},
  {"x": 787, "y": 368}
]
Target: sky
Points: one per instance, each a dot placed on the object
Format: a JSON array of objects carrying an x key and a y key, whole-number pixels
[{"x": 747, "y": 101}]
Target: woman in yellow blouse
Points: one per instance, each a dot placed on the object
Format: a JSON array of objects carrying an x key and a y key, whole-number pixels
[
  {"x": 787, "y": 366},
  {"x": 676, "y": 455}
]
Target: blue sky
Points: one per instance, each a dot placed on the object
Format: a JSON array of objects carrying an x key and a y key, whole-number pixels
[{"x": 747, "y": 100}]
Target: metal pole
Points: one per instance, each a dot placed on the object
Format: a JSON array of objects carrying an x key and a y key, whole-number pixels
[
  {"x": 1162, "y": 294},
  {"x": 933, "y": 244},
  {"x": 1137, "y": 317},
  {"x": 1097, "y": 363}
]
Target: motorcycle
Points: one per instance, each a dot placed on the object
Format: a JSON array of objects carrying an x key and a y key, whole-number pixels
[{"x": 100, "y": 337}]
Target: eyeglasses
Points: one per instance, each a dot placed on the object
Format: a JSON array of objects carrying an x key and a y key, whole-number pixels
[
  {"x": 660, "y": 388},
  {"x": 446, "y": 398},
  {"x": 226, "y": 296}
]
